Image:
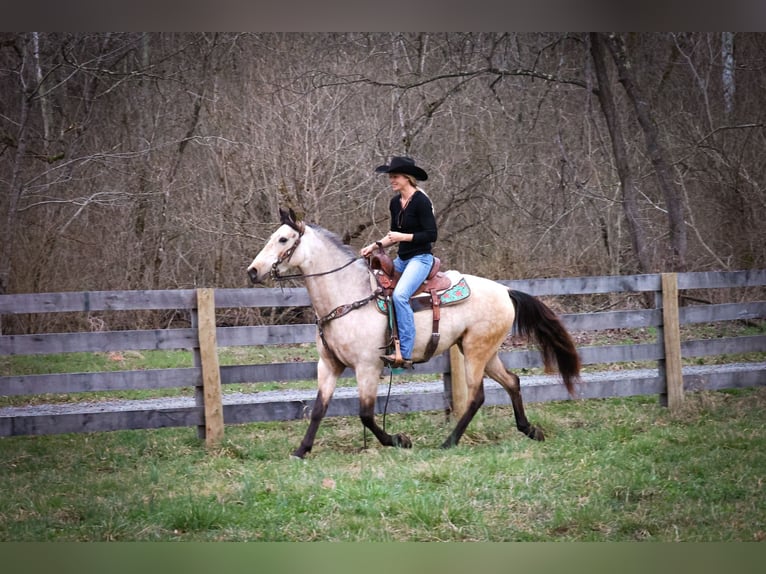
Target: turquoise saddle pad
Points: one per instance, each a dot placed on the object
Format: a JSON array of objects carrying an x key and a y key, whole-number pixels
[{"x": 458, "y": 292}]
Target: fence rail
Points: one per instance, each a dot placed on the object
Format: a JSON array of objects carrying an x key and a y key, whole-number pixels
[{"x": 209, "y": 408}]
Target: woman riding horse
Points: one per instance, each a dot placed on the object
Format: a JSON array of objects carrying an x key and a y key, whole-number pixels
[
  {"x": 413, "y": 229},
  {"x": 351, "y": 329}
]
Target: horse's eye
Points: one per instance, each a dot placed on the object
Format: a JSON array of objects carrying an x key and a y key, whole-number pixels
[{"x": 283, "y": 239}]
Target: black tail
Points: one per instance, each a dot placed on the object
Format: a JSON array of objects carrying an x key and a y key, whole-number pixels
[{"x": 536, "y": 321}]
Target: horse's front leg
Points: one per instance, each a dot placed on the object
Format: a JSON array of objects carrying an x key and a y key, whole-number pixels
[
  {"x": 328, "y": 372},
  {"x": 367, "y": 380},
  {"x": 475, "y": 381}
]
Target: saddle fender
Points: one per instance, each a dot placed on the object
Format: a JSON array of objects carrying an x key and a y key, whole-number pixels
[{"x": 439, "y": 289}]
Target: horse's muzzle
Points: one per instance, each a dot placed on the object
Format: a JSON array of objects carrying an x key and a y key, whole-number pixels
[{"x": 253, "y": 274}]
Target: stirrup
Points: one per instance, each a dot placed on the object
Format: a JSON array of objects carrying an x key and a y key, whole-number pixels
[{"x": 396, "y": 362}]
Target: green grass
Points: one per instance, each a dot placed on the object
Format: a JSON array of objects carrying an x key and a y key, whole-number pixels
[{"x": 611, "y": 470}]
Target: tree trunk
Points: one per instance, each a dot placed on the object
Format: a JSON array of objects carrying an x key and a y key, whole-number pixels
[
  {"x": 655, "y": 150},
  {"x": 162, "y": 240},
  {"x": 727, "y": 77},
  {"x": 619, "y": 149},
  {"x": 16, "y": 187}
]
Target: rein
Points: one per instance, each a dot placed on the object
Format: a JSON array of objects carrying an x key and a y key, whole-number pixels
[{"x": 277, "y": 276}]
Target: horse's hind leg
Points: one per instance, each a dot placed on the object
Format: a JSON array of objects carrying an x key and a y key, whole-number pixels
[
  {"x": 510, "y": 382},
  {"x": 368, "y": 394},
  {"x": 328, "y": 372}
]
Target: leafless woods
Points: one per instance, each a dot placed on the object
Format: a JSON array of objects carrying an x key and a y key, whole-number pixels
[{"x": 141, "y": 161}]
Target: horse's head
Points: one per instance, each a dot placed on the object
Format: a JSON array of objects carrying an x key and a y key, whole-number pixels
[{"x": 278, "y": 255}]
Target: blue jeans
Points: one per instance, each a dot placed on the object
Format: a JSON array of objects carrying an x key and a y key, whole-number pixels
[{"x": 414, "y": 271}]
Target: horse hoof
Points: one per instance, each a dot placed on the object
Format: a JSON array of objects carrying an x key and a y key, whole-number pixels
[
  {"x": 536, "y": 433},
  {"x": 402, "y": 441}
]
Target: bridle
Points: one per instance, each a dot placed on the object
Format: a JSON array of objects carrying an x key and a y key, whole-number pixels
[{"x": 275, "y": 275}]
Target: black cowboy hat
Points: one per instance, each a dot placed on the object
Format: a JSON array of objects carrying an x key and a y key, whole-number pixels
[{"x": 406, "y": 165}]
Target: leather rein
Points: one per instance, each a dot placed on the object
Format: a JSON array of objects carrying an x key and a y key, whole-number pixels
[{"x": 277, "y": 276}]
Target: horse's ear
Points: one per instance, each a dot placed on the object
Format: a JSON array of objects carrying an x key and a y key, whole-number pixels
[{"x": 289, "y": 218}]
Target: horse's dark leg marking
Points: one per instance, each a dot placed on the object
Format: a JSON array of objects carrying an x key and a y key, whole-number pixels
[
  {"x": 522, "y": 423},
  {"x": 367, "y": 415},
  {"x": 317, "y": 414},
  {"x": 511, "y": 384},
  {"x": 328, "y": 370},
  {"x": 473, "y": 407}
]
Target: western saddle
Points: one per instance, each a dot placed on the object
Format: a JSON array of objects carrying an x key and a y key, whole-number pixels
[{"x": 382, "y": 267}]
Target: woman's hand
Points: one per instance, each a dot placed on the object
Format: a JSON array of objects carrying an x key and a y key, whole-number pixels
[{"x": 391, "y": 238}]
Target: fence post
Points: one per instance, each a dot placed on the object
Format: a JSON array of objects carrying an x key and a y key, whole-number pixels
[
  {"x": 454, "y": 384},
  {"x": 671, "y": 338},
  {"x": 209, "y": 396}
]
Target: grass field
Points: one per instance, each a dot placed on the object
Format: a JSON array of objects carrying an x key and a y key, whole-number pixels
[{"x": 611, "y": 470}]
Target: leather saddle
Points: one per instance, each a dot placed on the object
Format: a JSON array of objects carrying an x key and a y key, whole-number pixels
[
  {"x": 383, "y": 267},
  {"x": 436, "y": 283}
]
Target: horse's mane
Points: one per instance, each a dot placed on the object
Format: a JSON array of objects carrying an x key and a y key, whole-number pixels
[{"x": 332, "y": 238}]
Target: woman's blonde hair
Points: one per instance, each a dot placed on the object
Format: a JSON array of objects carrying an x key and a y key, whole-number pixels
[{"x": 411, "y": 179}]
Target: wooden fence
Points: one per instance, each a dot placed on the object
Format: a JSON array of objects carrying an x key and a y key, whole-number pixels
[{"x": 210, "y": 407}]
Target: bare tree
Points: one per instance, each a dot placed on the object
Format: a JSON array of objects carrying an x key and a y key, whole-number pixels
[
  {"x": 655, "y": 149},
  {"x": 18, "y": 140},
  {"x": 628, "y": 182},
  {"x": 158, "y": 160},
  {"x": 727, "y": 75}
]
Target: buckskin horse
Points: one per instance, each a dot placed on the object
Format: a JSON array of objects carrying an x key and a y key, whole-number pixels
[{"x": 352, "y": 330}]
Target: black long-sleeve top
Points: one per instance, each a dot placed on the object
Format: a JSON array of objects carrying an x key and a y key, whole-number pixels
[{"x": 417, "y": 218}]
